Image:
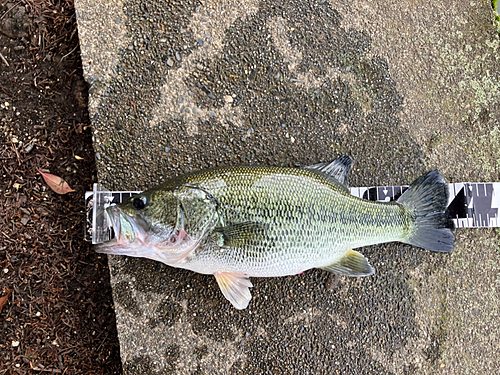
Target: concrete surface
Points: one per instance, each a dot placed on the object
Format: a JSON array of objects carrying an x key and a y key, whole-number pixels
[{"x": 402, "y": 87}]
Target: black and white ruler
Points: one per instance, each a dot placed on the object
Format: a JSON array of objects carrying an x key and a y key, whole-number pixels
[{"x": 471, "y": 205}]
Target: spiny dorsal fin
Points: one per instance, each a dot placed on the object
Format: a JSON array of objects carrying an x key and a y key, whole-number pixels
[
  {"x": 351, "y": 264},
  {"x": 338, "y": 169},
  {"x": 235, "y": 287}
]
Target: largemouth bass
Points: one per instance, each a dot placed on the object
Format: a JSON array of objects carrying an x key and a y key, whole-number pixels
[{"x": 251, "y": 221}]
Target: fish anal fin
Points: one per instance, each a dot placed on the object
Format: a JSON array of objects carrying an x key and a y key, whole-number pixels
[
  {"x": 351, "y": 264},
  {"x": 235, "y": 287}
]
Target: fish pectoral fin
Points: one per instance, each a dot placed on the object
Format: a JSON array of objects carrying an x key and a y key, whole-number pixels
[
  {"x": 235, "y": 287},
  {"x": 351, "y": 264},
  {"x": 236, "y": 235}
]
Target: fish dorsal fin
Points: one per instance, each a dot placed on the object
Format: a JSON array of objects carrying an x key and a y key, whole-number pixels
[
  {"x": 337, "y": 170},
  {"x": 237, "y": 235},
  {"x": 351, "y": 264},
  {"x": 235, "y": 287}
]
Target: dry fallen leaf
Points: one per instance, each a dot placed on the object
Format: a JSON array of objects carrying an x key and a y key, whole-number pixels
[
  {"x": 4, "y": 298},
  {"x": 2, "y": 302},
  {"x": 56, "y": 183}
]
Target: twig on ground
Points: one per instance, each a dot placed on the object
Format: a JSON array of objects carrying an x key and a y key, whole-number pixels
[
  {"x": 1, "y": 18},
  {"x": 3, "y": 59},
  {"x": 69, "y": 53}
]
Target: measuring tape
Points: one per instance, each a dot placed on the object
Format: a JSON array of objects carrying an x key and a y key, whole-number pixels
[{"x": 471, "y": 205}]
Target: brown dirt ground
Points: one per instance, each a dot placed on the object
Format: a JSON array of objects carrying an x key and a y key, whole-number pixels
[{"x": 58, "y": 315}]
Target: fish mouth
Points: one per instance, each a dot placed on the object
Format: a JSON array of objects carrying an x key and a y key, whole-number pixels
[
  {"x": 132, "y": 239},
  {"x": 123, "y": 225},
  {"x": 128, "y": 233}
]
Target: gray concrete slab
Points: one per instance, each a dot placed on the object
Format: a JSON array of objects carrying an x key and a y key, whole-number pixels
[{"x": 402, "y": 87}]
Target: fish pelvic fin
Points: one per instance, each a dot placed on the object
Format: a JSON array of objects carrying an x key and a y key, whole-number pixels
[
  {"x": 351, "y": 264},
  {"x": 235, "y": 287},
  {"x": 337, "y": 170},
  {"x": 426, "y": 200}
]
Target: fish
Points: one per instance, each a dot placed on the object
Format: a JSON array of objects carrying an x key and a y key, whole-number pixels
[{"x": 240, "y": 222}]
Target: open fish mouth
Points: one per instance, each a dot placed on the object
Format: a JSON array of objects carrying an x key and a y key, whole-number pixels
[
  {"x": 123, "y": 225},
  {"x": 128, "y": 238},
  {"x": 133, "y": 239}
]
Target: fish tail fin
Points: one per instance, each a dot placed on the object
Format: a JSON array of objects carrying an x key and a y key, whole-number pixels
[{"x": 426, "y": 200}]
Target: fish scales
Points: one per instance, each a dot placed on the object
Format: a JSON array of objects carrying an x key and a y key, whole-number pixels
[{"x": 251, "y": 221}]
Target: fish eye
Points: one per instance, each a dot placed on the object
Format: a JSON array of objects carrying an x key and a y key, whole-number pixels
[{"x": 139, "y": 203}]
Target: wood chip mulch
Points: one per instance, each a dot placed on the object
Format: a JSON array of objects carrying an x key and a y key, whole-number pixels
[{"x": 56, "y": 309}]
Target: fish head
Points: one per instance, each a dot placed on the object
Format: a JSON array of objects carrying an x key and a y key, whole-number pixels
[
  {"x": 149, "y": 225},
  {"x": 153, "y": 216}
]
